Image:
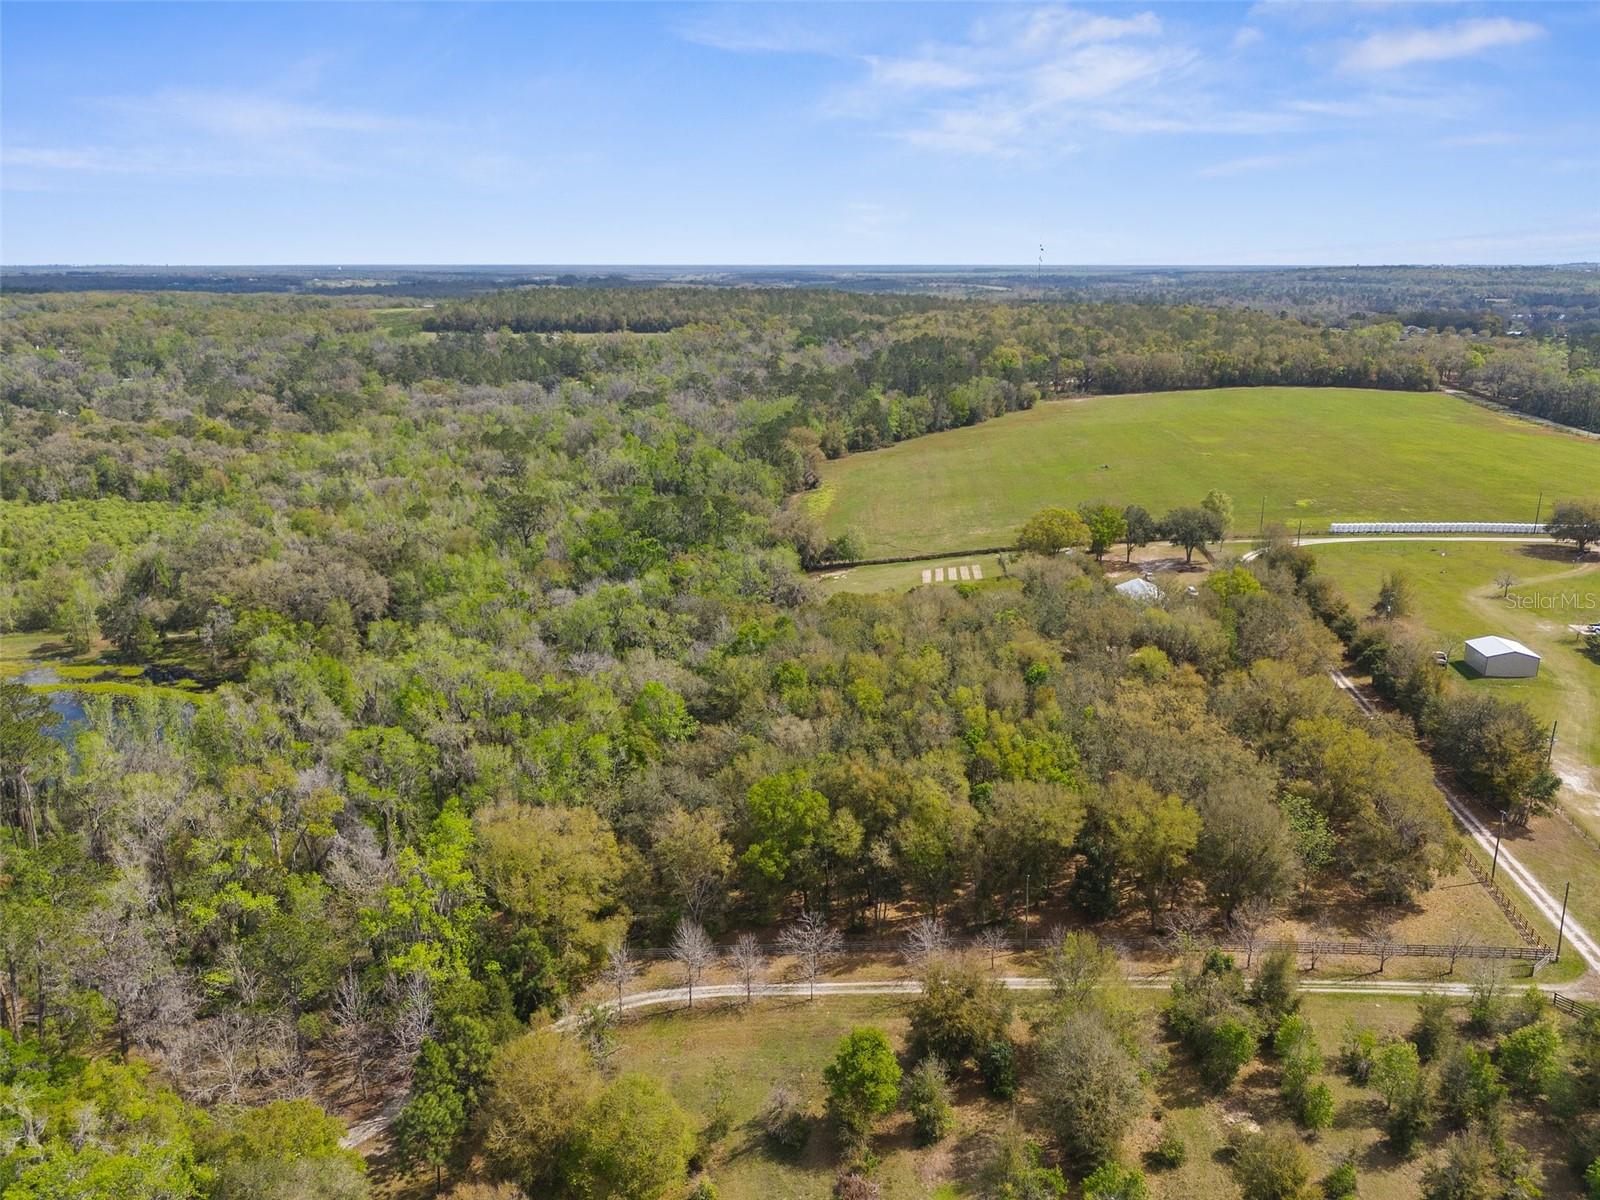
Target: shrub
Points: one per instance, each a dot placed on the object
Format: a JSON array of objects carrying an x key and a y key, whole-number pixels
[
  {"x": 1316, "y": 1108},
  {"x": 1591, "y": 1180},
  {"x": 855, "y": 1186},
  {"x": 1169, "y": 1153},
  {"x": 1358, "y": 1052},
  {"x": 1270, "y": 1165},
  {"x": 1469, "y": 1086},
  {"x": 1527, "y": 1056},
  {"x": 997, "y": 1064},
  {"x": 1113, "y": 1181},
  {"x": 1397, "y": 1076},
  {"x": 960, "y": 1012},
  {"x": 704, "y": 1190},
  {"x": 1435, "y": 1028},
  {"x": 928, "y": 1099},
  {"x": 1340, "y": 1183},
  {"x": 1014, "y": 1171},
  {"x": 863, "y": 1081},
  {"x": 1276, "y": 988},
  {"x": 1089, "y": 1086},
  {"x": 783, "y": 1119}
]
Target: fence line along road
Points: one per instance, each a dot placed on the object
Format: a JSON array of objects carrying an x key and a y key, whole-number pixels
[
  {"x": 1023, "y": 983},
  {"x": 1582, "y": 943},
  {"x": 1537, "y": 953}
]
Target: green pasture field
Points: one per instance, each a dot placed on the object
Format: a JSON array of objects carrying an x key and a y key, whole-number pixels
[
  {"x": 1456, "y": 598},
  {"x": 902, "y": 577},
  {"x": 1313, "y": 454},
  {"x": 790, "y": 1041}
]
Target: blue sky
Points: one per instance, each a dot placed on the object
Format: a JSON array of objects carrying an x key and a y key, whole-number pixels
[{"x": 1275, "y": 132}]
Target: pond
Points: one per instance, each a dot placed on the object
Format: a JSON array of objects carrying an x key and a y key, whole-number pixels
[{"x": 67, "y": 703}]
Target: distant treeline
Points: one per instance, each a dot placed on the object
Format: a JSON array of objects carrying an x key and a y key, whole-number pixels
[{"x": 786, "y": 376}]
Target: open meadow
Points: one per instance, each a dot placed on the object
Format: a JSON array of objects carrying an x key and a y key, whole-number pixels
[
  {"x": 1456, "y": 597},
  {"x": 1312, "y": 454},
  {"x": 745, "y": 1053}
]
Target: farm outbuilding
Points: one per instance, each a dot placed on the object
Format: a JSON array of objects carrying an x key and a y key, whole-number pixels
[
  {"x": 1141, "y": 590},
  {"x": 1501, "y": 658}
]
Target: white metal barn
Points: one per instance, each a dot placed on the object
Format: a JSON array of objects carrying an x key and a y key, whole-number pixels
[{"x": 1501, "y": 658}]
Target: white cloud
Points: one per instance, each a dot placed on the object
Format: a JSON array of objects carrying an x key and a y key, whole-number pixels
[
  {"x": 1394, "y": 48},
  {"x": 1247, "y": 36},
  {"x": 1249, "y": 164}
]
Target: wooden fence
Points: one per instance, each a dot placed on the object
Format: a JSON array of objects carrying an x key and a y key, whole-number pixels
[
  {"x": 1520, "y": 923},
  {"x": 1573, "y": 1008}
]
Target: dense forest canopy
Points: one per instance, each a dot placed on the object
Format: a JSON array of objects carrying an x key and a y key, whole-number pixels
[{"x": 507, "y": 659}]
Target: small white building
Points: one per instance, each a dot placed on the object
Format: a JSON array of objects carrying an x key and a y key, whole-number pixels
[
  {"x": 1501, "y": 658},
  {"x": 1141, "y": 590}
]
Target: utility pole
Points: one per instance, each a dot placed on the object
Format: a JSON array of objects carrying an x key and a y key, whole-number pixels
[
  {"x": 1298, "y": 530},
  {"x": 1499, "y": 833},
  {"x": 1262, "y": 528},
  {"x": 1561, "y": 929},
  {"x": 1539, "y": 512},
  {"x": 1550, "y": 751}
]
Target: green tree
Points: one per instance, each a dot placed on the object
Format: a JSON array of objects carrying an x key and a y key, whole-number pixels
[
  {"x": 1052, "y": 530},
  {"x": 1220, "y": 505},
  {"x": 1139, "y": 529},
  {"x": 283, "y": 1150},
  {"x": 1575, "y": 521},
  {"x": 26, "y": 752},
  {"x": 631, "y": 1143},
  {"x": 1089, "y": 1086},
  {"x": 1397, "y": 1076},
  {"x": 1528, "y": 1056},
  {"x": 863, "y": 1081},
  {"x": 428, "y": 1127},
  {"x": 959, "y": 1013},
  {"x": 538, "y": 1084},
  {"x": 1153, "y": 837},
  {"x": 928, "y": 1100},
  {"x": 1106, "y": 525},
  {"x": 787, "y": 817},
  {"x": 1191, "y": 529},
  {"x": 1396, "y": 596}
]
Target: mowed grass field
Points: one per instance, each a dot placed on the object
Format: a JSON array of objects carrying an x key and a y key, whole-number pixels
[
  {"x": 1456, "y": 597},
  {"x": 1317, "y": 454},
  {"x": 789, "y": 1042}
]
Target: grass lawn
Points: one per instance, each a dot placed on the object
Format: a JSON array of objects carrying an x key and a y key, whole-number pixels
[
  {"x": 790, "y": 1042},
  {"x": 902, "y": 577},
  {"x": 1317, "y": 454},
  {"x": 1457, "y": 598}
]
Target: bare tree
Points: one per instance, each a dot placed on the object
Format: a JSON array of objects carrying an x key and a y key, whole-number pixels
[
  {"x": 1187, "y": 926},
  {"x": 1458, "y": 939},
  {"x": 749, "y": 964},
  {"x": 597, "y": 1030},
  {"x": 694, "y": 951},
  {"x": 620, "y": 970},
  {"x": 1380, "y": 931},
  {"x": 1505, "y": 581},
  {"x": 813, "y": 944},
  {"x": 411, "y": 1012},
  {"x": 1247, "y": 922},
  {"x": 353, "y": 1028},
  {"x": 991, "y": 942},
  {"x": 925, "y": 942}
]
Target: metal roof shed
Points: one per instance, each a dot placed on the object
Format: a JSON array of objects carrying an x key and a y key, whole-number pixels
[{"x": 1501, "y": 658}]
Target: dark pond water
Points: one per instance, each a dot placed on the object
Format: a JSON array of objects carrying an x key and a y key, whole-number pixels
[{"x": 68, "y": 705}]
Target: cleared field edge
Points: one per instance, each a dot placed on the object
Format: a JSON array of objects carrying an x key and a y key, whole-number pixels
[{"x": 897, "y": 515}]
